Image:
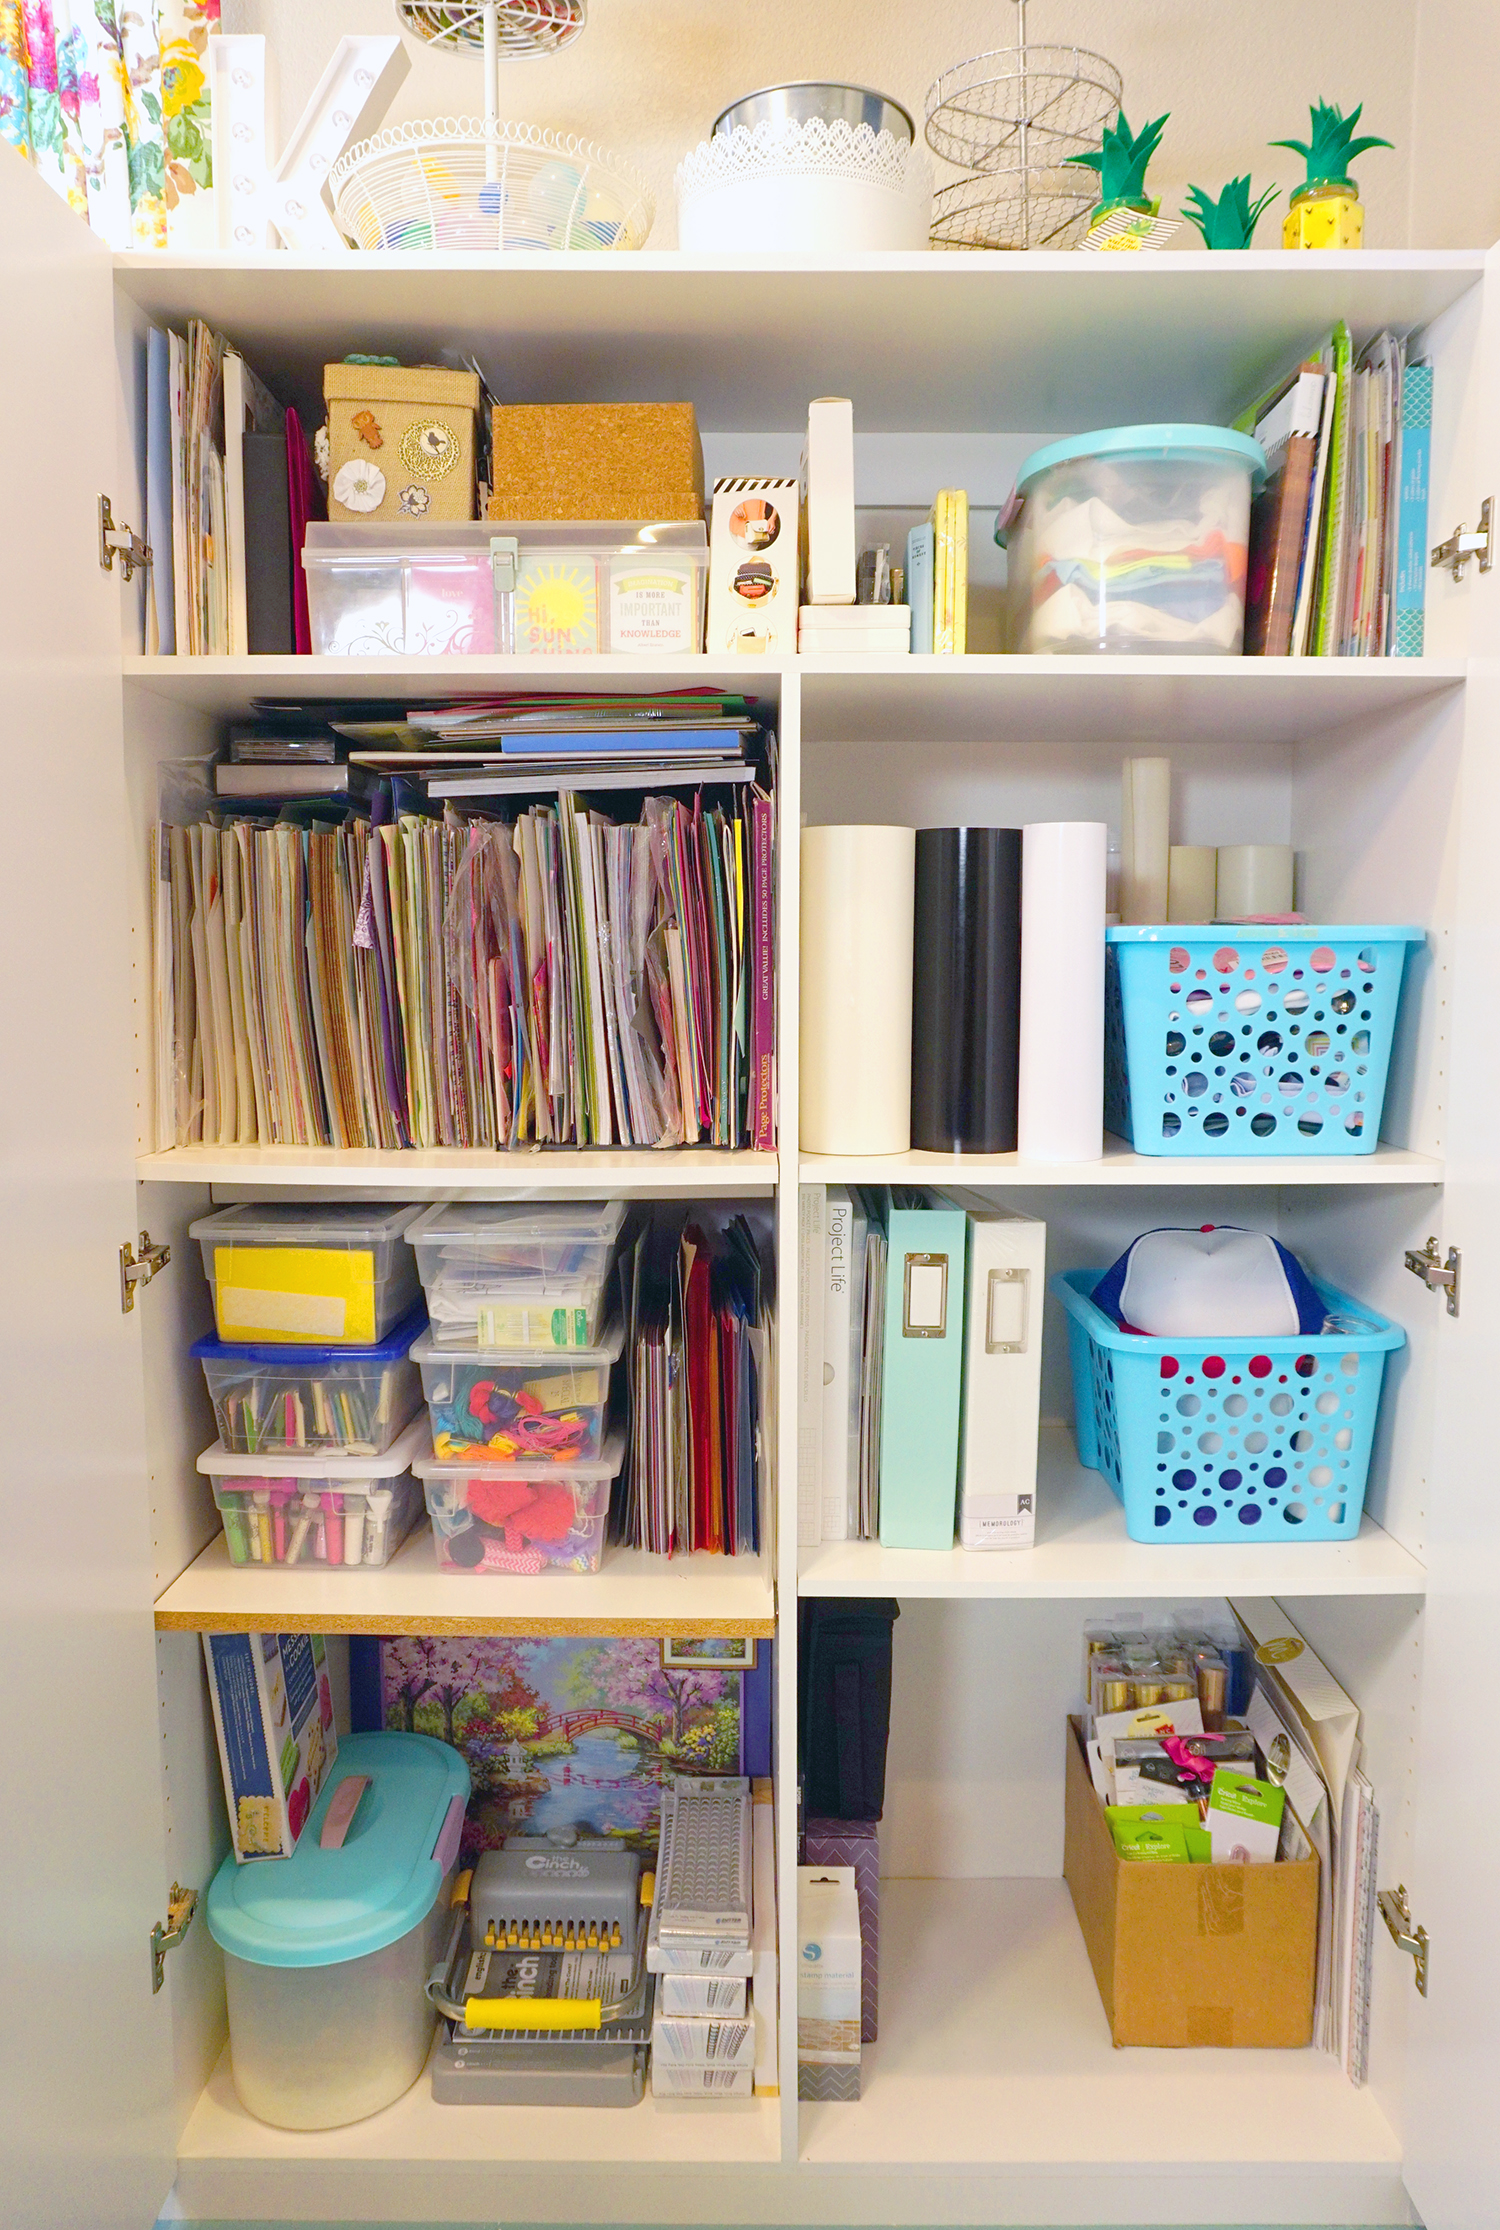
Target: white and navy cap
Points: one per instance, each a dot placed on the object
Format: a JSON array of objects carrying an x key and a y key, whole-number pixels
[{"x": 1216, "y": 1282}]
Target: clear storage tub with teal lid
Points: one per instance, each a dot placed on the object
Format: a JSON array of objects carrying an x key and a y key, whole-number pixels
[
  {"x": 326, "y": 1953},
  {"x": 1132, "y": 539}
]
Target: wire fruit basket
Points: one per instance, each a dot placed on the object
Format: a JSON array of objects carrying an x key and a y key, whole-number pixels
[
  {"x": 1011, "y": 118},
  {"x": 476, "y": 186}
]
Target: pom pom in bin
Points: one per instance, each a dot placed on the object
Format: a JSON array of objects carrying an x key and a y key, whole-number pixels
[
  {"x": 1229, "y": 1440},
  {"x": 1250, "y": 1040}
]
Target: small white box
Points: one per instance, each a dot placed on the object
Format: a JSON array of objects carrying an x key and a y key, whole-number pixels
[
  {"x": 723, "y": 1996},
  {"x": 830, "y": 1966}
]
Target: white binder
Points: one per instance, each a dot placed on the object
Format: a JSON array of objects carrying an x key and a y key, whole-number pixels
[{"x": 1002, "y": 1377}]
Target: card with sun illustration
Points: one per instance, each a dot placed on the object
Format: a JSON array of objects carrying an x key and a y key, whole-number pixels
[{"x": 557, "y": 602}]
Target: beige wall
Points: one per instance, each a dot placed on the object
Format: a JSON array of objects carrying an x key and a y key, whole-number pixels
[
  {"x": 648, "y": 77},
  {"x": 1455, "y": 183}
]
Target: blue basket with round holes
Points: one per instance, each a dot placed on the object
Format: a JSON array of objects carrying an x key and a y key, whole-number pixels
[
  {"x": 1229, "y": 1439},
  {"x": 1250, "y": 1041}
]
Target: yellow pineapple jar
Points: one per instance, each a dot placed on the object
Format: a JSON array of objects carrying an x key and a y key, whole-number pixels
[
  {"x": 1325, "y": 209},
  {"x": 1328, "y": 215}
]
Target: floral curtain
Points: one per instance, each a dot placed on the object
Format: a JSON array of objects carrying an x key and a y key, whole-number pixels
[{"x": 109, "y": 100}]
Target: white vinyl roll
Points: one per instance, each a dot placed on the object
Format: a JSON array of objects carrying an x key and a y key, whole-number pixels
[
  {"x": 1145, "y": 822},
  {"x": 1254, "y": 879},
  {"x": 856, "y": 941},
  {"x": 1061, "y": 1115}
]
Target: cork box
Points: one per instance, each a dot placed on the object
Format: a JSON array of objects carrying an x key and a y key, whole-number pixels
[
  {"x": 597, "y": 461},
  {"x": 400, "y": 441}
]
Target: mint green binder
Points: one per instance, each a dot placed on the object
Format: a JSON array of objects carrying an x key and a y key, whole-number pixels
[{"x": 922, "y": 1394}]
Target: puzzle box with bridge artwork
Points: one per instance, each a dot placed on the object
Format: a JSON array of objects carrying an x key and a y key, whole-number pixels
[{"x": 566, "y": 1733}]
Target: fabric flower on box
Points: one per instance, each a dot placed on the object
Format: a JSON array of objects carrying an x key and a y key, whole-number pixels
[
  {"x": 359, "y": 485},
  {"x": 321, "y": 454},
  {"x": 414, "y": 500}
]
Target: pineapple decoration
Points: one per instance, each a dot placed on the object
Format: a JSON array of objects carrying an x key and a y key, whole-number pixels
[
  {"x": 1230, "y": 221},
  {"x": 1126, "y": 214},
  {"x": 1325, "y": 211}
]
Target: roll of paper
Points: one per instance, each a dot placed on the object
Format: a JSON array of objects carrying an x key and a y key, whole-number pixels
[
  {"x": 1061, "y": 1098},
  {"x": 966, "y": 991},
  {"x": 855, "y": 1038},
  {"x": 1145, "y": 837},
  {"x": 1254, "y": 879},
  {"x": 1192, "y": 878}
]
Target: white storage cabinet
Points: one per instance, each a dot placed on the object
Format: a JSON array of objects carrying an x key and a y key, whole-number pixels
[{"x": 993, "y": 2095}]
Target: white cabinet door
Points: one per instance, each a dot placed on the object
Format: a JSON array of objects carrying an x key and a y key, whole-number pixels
[
  {"x": 85, "y": 2049},
  {"x": 1454, "y": 2033}
]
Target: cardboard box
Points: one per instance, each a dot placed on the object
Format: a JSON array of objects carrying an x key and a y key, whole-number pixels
[
  {"x": 403, "y": 438},
  {"x": 273, "y": 1714},
  {"x": 596, "y": 461},
  {"x": 855, "y": 1843},
  {"x": 1190, "y": 1955}
]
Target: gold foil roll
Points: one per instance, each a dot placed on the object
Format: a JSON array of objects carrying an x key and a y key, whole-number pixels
[
  {"x": 1213, "y": 1694},
  {"x": 1147, "y": 1692},
  {"x": 1114, "y": 1695},
  {"x": 1180, "y": 1689}
]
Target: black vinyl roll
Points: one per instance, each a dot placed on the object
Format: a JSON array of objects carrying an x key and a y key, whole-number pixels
[{"x": 966, "y": 991}]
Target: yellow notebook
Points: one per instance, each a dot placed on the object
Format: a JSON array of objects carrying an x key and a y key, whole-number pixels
[{"x": 959, "y": 529}]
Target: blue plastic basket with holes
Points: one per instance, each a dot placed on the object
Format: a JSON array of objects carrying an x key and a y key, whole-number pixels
[
  {"x": 1248, "y": 1040},
  {"x": 1229, "y": 1439}
]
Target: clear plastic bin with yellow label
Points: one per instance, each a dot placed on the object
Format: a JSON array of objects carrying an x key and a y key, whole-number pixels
[{"x": 339, "y": 1274}]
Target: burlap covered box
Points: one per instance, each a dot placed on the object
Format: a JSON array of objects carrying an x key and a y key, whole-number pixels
[
  {"x": 596, "y": 461},
  {"x": 400, "y": 441}
]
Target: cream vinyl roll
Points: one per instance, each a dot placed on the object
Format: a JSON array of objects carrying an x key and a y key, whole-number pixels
[
  {"x": 1061, "y": 1115},
  {"x": 1145, "y": 817},
  {"x": 855, "y": 1038},
  {"x": 1191, "y": 882},
  {"x": 1254, "y": 879}
]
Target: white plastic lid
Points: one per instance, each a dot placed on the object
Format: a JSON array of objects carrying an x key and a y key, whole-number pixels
[
  {"x": 606, "y": 1465},
  {"x": 479, "y": 1223},
  {"x": 288, "y": 1223},
  {"x": 611, "y": 1347},
  {"x": 317, "y": 1463}
]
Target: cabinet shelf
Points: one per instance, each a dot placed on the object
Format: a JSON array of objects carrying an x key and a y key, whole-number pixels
[
  {"x": 417, "y": 2160},
  {"x": 631, "y": 1593},
  {"x": 1082, "y": 1551},
  {"x": 1388, "y": 1165},
  {"x": 994, "y": 2051},
  {"x": 932, "y": 337},
  {"x": 882, "y": 699},
  {"x": 470, "y": 1173}
]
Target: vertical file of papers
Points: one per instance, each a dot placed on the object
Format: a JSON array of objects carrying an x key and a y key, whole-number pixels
[{"x": 561, "y": 978}]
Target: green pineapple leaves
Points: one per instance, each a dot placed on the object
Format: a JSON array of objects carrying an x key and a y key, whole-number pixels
[
  {"x": 1333, "y": 146},
  {"x": 1121, "y": 159},
  {"x": 1230, "y": 221}
]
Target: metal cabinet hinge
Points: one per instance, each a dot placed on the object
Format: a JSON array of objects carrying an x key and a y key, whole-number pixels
[
  {"x": 1396, "y": 1913},
  {"x": 140, "y": 1270},
  {"x": 120, "y": 542},
  {"x": 181, "y": 1906},
  {"x": 1460, "y": 546},
  {"x": 1436, "y": 1274}
]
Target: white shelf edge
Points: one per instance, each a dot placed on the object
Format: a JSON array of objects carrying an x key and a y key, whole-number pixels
[
  {"x": 638, "y": 1172},
  {"x": 1084, "y": 1552},
  {"x": 631, "y": 1593},
  {"x": 1388, "y": 1165},
  {"x": 227, "y": 2158}
]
